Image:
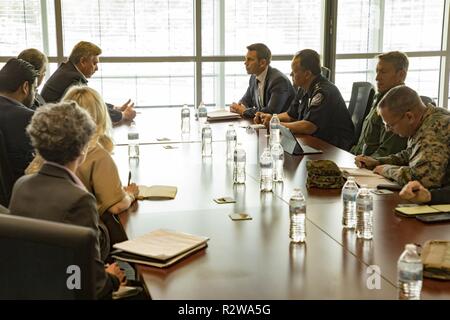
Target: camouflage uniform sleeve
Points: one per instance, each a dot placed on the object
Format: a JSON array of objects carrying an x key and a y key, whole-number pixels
[
  {"x": 399, "y": 159},
  {"x": 428, "y": 162}
]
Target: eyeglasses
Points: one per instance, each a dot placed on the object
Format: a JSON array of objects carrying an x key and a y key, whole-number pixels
[{"x": 392, "y": 125}]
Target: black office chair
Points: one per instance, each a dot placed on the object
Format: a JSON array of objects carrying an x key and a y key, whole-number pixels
[
  {"x": 45, "y": 260},
  {"x": 427, "y": 100},
  {"x": 360, "y": 103},
  {"x": 326, "y": 72},
  {"x": 6, "y": 176}
]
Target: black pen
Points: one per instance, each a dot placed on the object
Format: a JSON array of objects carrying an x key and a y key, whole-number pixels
[{"x": 129, "y": 177}]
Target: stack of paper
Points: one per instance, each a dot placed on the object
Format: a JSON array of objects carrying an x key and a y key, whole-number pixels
[
  {"x": 222, "y": 114},
  {"x": 157, "y": 192},
  {"x": 419, "y": 210},
  {"x": 367, "y": 177},
  {"x": 159, "y": 248}
]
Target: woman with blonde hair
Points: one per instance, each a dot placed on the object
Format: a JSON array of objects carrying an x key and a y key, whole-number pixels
[{"x": 99, "y": 172}]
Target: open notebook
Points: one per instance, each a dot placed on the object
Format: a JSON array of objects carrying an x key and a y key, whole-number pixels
[
  {"x": 157, "y": 192},
  {"x": 367, "y": 177},
  {"x": 222, "y": 114},
  {"x": 159, "y": 248},
  {"x": 420, "y": 210}
]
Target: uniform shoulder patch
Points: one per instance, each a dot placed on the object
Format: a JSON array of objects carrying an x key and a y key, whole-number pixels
[{"x": 317, "y": 99}]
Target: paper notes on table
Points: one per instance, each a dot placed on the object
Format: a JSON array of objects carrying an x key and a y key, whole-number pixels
[
  {"x": 159, "y": 248},
  {"x": 367, "y": 177},
  {"x": 157, "y": 192},
  {"x": 419, "y": 210},
  {"x": 222, "y": 114}
]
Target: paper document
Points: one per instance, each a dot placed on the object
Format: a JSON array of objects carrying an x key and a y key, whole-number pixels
[
  {"x": 222, "y": 114},
  {"x": 134, "y": 258},
  {"x": 162, "y": 244},
  {"x": 366, "y": 177},
  {"x": 419, "y": 210},
  {"x": 157, "y": 192}
]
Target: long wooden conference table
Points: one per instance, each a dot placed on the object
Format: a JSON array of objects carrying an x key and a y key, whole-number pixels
[{"x": 254, "y": 259}]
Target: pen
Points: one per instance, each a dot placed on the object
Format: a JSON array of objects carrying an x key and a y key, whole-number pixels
[{"x": 129, "y": 177}]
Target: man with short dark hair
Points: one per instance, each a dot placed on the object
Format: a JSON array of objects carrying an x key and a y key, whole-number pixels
[
  {"x": 426, "y": 157},
  {"x": 269, "y": 90},
  {"x": 375, "y": 140},
  {"x": 318, "y": 109},
  {"x": 39, "y": 61},
  {"x": 82, "y": 64},
  {"x": 18, "y": 80}
]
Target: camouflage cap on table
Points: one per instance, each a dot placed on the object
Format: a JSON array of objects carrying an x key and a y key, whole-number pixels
[{"x": 323, "y": 174}]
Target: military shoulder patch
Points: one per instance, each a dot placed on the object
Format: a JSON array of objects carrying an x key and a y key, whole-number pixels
[{"x": 317, "y": 99}]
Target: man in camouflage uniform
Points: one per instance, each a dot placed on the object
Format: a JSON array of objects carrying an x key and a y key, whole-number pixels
[
  {"x": 374, "y": 140},
  {"x": 318, "y": 109},
  {"x": 426, "y": 157}
]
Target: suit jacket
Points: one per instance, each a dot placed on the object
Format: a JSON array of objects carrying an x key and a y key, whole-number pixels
[
  {"x": 62, "y": 79},
  {"x": 38, "y": 101},
  {"x": 52, "y": 194},
  {"x": 278, "y": 94},
  {"x": 14, "y": 118}
]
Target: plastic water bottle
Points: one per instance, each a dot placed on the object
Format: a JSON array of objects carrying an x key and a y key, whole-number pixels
[
  {"x": 409, "y": 269},
  {"x": 297, "y": 214},
  {"x": 274, "y": 130},
  {"x": 206, "y": 141},
  {"x": 231, "y": 142},
  {"x": 185, "y": 119},
  {"x": 239, "y": 164},
  {"x": 364, "y": 214},
  {"x": 202, "y": 115},
  {"x": 349, "y": 192},
  {"x": 266, "y": 167},
  {"x": 277, "y": 153},
  {"x": 133, "y": 141}
]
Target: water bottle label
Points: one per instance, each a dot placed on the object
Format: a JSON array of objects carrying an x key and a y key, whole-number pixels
[
  {"x": 133, "y": 136},
  {"x": 347, "y": 196}
]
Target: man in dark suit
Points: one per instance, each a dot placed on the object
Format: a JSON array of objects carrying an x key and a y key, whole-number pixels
[
  {"x": 269, "y": 90},
  {"x": 18, "y": 80},
  {"x": 82, "y": 64},
  {"x": 39, "y": 61}
]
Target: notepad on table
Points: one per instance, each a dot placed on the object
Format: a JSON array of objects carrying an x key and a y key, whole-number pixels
[
  {"x": 159, "y": 248},
  {"x": 420, "y": 210},
  {"x": 157, "y": 192},
  {"x": 222, "y": 114},
  {"x": 367, "y": 177}
]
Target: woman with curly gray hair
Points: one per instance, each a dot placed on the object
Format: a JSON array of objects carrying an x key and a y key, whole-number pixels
[{"x": 60, "y": 134}]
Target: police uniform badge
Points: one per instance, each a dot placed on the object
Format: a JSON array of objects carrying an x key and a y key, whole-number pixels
[{"x": 317, "y": 99}]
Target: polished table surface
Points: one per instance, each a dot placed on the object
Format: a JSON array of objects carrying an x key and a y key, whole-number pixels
[{"x": 255, "y": 259}]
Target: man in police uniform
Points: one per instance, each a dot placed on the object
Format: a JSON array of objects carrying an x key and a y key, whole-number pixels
[
  {"x": 426, "y": 157},
  {"x": 375, "y": 141},
  {"x": 318, "y": 109}
]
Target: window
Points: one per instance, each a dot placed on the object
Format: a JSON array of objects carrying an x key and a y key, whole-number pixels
[
  {"x": 130, "y": 28},
  {"x": 147, "y": 84},
  {"x": 24, "y": 25},
  {"x": 228, "y": 27},
  {"x": 369, "y": 27},
  {"x": 149, "y": 47}
]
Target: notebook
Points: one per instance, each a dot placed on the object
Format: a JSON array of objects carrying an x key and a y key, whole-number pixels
[
  {"x": 135, "y": 258},
  {"x": 222, "y": 114},
  {"x": 367, "y": 177},
  {"x": 420, "y": 210},
  {"x": 157, "y": 192},
  {"x": 162, "y": 244}
]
